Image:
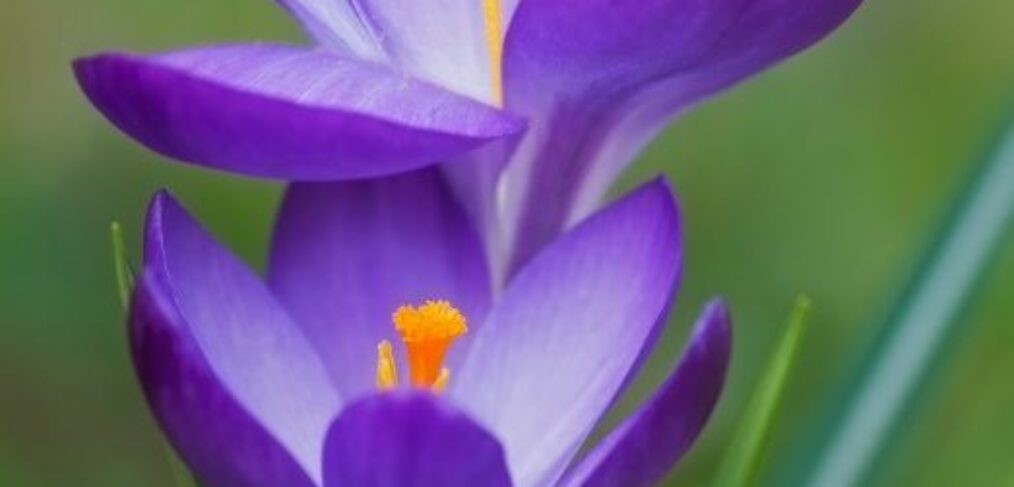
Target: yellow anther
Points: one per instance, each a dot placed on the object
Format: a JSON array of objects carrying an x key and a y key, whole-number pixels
[
  {"x": 433, "y": 320},
  {"x": 427, "y": 331},
  {"x": 387, "y": 372},
  {"x": 492, "y": 19}
]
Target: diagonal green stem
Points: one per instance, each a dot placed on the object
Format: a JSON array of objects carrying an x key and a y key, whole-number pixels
[
  {"x": 914, "y": 335},
  {"x": 749, "y": 446},
  {"x": 124, "y": 277}
]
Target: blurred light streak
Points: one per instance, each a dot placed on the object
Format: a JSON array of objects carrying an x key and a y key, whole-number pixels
[{"x": 922, "y": 320}]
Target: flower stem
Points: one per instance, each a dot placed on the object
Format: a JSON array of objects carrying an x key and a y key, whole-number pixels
[{"x": 124, "y": 276}]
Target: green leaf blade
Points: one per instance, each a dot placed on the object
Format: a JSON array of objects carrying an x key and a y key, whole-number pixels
[
  {"x": 124, "y": 277},
  {"x": 913, "y": 340},
  {"x": 749, "y": 446}
]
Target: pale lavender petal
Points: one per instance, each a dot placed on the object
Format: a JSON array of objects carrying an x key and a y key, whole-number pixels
[
  {"x": 598, "y": 79},
  {"x": 645, "y": 446},
  {"x": 207, "y": 332},
  {"x": 473, "y": 177},
  {"x": 569, "y": 330},
  {"x": 337, "y": 25},
  {"x": 441, "y": 41},
  {"x": 346, "y": 255},
  {"x": 283, "y": 112},
  {"x": 410, "y": 439},
  {"x": 217, "y": 437}
]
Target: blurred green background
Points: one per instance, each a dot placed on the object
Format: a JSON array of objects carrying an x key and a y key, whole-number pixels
[{"x": 826, "y": 175}]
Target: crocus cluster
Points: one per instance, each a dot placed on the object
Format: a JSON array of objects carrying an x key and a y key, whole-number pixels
[{"x": 446, "y": 304}]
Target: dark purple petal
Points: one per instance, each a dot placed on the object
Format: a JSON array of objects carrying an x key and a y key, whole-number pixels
[
  {"x": 568, "y": 331},
  {"x": 213, "y": 345},
  {"x": 598, "y": 79},
  {"x": 607, "y": 46},
  {"x": 218, "y": 438},
  {"x": 645, "y": 446},
  {"x": 346, "y": 255},
  {"x": 283, "y": 112},
  {"x": 410, "y": 439}
]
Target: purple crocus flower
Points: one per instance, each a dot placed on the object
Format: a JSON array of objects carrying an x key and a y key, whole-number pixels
[
  {"x": 394, "y": 85},
  {"x": 295, "y": 381}
]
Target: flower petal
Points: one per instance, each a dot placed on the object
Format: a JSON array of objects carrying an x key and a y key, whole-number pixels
[
  {"x": 598, "y": 79},
  {"x": 346, "y": 255},
  {"x": 410, "y": 440},
  {"x": 218, "y": 438},
  {"x": 226, "y": 371},
  {"x": 569, "y": 330},
  {"x": 337, "y": 25},
  {"x": 645, "y": 446},
  {"x": 441, "y": 41},
  {"x": 284, "y": 112}
]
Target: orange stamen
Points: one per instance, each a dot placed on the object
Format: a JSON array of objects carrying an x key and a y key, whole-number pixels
[{"x": 427, "y": 331}]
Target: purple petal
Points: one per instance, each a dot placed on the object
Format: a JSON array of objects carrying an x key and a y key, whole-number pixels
[
  {"x": 584, "y": 43},
  {"x": 338, "y": 26},
  {"x": 441, "y": 41},
  {"x": 473, "y": 177},
  {"x": 283, "y": 112},
  {"x": 220, "y": 440},
  {"x": 568, "y": 331},
  {"x": 346, "y": 255},
  {"x": 410, "y": 440},
  {"x": 225, "y": 369},
  {"x": 598, "y": 79},
  {"x": 642, "y": 449}
]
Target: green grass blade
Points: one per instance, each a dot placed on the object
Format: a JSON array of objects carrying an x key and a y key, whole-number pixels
[
  {"x": 914, "y": 335},
  {"x": 749, "y": 446},
  {"x": 124, "y": 277}
]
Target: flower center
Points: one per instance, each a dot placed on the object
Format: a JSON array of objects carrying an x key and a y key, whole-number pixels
[
  {"x": 492, "y": 19},
  {"x": 427, "y": 331}
]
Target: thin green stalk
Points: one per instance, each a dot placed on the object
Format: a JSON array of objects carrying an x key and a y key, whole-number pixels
[
  {"x": 916, "y": 331},
  {"x": 749, "y": 447},
  {"x": 124, "y": 277}
]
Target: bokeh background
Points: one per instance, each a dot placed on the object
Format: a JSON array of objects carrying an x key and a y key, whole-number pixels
[{"x": 826, "y": 175}]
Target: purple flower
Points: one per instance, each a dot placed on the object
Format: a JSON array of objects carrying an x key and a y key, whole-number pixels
[
  {"x": 295, "y": 381},
  {"x": 395, "y": 85}
]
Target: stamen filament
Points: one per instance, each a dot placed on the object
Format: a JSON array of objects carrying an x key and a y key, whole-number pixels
[
  {"x": 493, "y": 22},
  {"x": 387, "y": 372}
]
